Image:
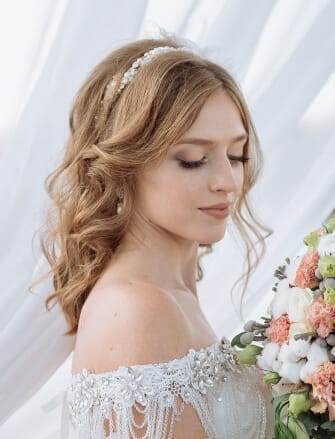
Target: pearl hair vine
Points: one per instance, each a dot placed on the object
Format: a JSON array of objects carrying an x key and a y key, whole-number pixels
[{"x": 131, "y": 72}]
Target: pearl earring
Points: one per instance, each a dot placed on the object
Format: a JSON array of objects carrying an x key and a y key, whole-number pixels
[{"x": 119, "y": 201}]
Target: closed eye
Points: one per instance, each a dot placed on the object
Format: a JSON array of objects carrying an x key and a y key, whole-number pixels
[{"x": 185, "y": 164}]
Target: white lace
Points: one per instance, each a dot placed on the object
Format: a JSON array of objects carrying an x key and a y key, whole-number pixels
[{"x": 200, "y": 378}]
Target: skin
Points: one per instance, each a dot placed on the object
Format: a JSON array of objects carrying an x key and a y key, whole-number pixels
[
  {"x": 160, "y": 249},
  {"x": 167, "y": 226}
]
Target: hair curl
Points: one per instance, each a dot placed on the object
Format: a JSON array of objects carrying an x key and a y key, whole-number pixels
[{"x": 103, "y": 155}]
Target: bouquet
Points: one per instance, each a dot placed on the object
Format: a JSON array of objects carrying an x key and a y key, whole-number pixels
[{"x": 294, "y": 348}]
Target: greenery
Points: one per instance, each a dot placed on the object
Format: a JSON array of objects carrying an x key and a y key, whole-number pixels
[{"x": 307, "y": 425}]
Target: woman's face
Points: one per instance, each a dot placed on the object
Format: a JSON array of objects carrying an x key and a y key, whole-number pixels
[{"x": 170, "y": 195}]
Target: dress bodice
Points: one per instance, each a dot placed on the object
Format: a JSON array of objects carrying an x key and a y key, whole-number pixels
[{"x": 227, "y": 397}]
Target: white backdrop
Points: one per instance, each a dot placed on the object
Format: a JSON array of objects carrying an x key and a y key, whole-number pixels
[{"x": 281, "y": 53}]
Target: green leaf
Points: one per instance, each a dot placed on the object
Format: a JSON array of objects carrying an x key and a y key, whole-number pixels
[
  {"x": 283, "y": 432},
  {"x": 278, "y": 400},
  {"x": 248, "y": 354},
  {"x": 299, "y": 402},
  {"x": 330, "y": 225},
  {"x": 277, "y": 431},
  {"x": 297, "y": 428},
  {"x": 237, "y": 342},
  {"x": 271, "y": 378},
  {"x": 312, "y": 240}
]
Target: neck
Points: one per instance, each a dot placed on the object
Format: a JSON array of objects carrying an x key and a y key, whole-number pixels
[{"x": 169, "y": 262}]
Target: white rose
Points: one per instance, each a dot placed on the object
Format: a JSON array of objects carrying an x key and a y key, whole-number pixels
[
  {"x": 299, "y": 328},
  {"x": 299, "y": 298}
]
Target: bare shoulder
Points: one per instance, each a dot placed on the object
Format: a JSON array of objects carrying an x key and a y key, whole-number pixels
[{"x": 127, "y": 324}]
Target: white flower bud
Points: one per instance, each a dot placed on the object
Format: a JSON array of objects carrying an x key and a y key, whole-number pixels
[
  {"x": 269, "y": 355},
  {"x": 299, "y": 347},
  {"x": 317, "y": 354},
  {"x": 291, "y": 371},
  {"x": 276, "y": 365},
  {"x": 286, "y": 355},
  {"x": 262, "y": 363}
]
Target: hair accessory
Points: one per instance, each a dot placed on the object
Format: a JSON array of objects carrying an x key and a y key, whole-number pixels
[
  {"x": 119, "y": 194},
  {"x": 131, "y": 72},
  {"x": 144, "y": 59}
]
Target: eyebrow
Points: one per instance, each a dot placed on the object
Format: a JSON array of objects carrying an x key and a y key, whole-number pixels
[{"x": 208, "y": 142}]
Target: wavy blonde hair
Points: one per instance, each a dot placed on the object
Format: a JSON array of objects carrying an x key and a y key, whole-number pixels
[{"x": 106, "y": 147}]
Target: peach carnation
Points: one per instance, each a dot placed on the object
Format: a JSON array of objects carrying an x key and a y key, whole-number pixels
[
  {"x": 323, "y": 382},
  {"x": 305, "y": 275},
  {"x": 279, "y": 330},
  {"x": 321, "y": 316}
]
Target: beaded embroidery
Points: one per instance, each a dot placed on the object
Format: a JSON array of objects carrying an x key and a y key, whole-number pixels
[
  {"x": 200, "y": 373},
  {"x": 145, "y": 59}
]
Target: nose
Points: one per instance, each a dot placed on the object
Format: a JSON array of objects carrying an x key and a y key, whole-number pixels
[{"x": 224, "y": 177}]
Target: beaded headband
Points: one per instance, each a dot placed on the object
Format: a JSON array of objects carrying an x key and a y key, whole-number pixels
[{"x": 131, "y": 72}]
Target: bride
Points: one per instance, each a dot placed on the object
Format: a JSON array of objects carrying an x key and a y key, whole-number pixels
[{"x": 162, "y": 153}]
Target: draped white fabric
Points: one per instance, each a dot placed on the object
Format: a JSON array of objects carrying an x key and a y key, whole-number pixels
[{"x": 280, "y": 52}]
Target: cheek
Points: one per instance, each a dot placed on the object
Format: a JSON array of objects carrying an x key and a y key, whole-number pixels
[
  {"x": 239, "y": 177},
  {"x": 170, "y": 198},
  {"x": 179, "y": 192}
]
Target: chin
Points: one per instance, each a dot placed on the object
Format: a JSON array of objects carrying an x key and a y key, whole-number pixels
[{"x": 213, "y": 240}]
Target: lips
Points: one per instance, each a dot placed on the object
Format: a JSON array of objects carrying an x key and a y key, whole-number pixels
[
  {"x": 218, "y": 210},
  {"x": 218, "y": 213},
  {"x": 220, "y": 206}
]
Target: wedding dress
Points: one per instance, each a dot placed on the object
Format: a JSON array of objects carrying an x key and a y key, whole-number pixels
[{"x": 229, "y": 399}]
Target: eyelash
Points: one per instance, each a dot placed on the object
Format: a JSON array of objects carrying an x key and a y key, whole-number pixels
[{"x": 197, "y": 164}]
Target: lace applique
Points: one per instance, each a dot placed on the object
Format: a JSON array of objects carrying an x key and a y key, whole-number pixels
[{"x": 92, "y": 397}]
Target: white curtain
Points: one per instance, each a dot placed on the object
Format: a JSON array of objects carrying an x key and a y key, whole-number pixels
[{"x": 282, "y": 55}]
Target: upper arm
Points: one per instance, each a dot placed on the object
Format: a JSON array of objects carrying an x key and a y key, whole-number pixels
[
  {"x": 128, "y": 324},
  {"x": 131, "y": 325}
]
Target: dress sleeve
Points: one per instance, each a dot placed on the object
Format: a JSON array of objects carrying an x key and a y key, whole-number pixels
[
  {"x": 244, "y": 409},
  {"x": 148, "y": 400},
  {"x": 269, "y": 410},
  {"x": 123, "y": 404}
]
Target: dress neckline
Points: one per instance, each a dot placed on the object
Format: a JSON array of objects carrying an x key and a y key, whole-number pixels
[{"x": 174, "y": 361}]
